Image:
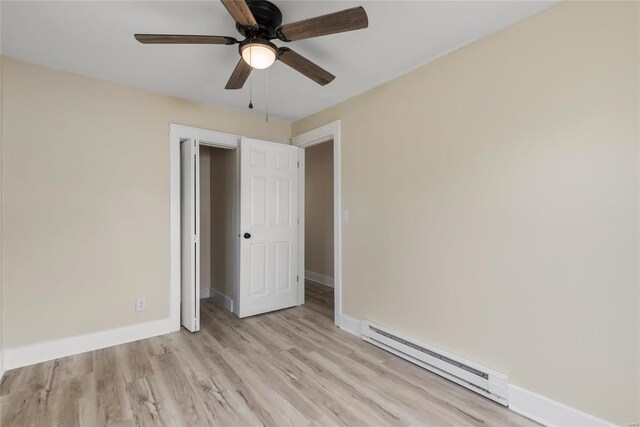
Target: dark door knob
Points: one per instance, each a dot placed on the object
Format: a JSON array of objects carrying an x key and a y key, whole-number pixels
[{"x": 247, "y": 235}]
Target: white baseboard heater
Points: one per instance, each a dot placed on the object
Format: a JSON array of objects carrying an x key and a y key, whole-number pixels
[{"x": 484, "y": 381}]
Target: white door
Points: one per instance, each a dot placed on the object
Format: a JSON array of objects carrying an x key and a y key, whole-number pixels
[
  {"x": 269, "y": 276},
  {"x": 190, "y": 229}
]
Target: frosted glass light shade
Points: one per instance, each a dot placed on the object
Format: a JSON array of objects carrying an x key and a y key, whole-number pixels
[{"x": 258, "y": 55}]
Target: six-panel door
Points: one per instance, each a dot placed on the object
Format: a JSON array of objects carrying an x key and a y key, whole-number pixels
[{"x": 268, "y": 227}]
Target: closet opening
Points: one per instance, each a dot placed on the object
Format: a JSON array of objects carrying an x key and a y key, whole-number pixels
[{"x": 218, "y": 225}]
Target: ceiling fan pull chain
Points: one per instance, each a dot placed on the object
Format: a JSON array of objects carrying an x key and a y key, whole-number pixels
[
  {"x": 250, "y": 92},
  {"x": 250, "y": 85},
  {"x": 266, "y": 91}
]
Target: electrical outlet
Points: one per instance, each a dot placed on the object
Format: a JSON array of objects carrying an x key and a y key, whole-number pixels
[{"x": 141, "y": 304}]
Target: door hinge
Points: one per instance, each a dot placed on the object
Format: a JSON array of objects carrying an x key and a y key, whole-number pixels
[
  {"x": 297, "y": 278},
  {"x": 298, "y": 164}
]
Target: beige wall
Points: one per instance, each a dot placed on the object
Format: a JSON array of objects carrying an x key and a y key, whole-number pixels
[
  {"x": 318, "y": 209},
  {"x": 493, "y": 204},
  {"x": 223, "y": 178},
  {"x": 85, "y": 201},
  {"x": 217, "y": 186},
  {"x": 205, "y": 217}
]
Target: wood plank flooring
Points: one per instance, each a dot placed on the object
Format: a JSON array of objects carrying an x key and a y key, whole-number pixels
[{"x": 288, "y": 368}]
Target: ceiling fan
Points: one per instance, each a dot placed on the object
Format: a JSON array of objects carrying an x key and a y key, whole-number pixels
[{"x": 259, "y": 22}]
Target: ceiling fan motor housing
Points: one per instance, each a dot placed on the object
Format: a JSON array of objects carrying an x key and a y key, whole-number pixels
[{"x": 268, "y": 17}]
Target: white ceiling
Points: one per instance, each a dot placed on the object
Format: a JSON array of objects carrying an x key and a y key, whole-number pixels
[{"x": 95, "y": 38}]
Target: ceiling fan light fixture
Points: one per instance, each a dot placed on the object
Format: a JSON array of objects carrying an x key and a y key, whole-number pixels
[{"x": 259, "y": 54}]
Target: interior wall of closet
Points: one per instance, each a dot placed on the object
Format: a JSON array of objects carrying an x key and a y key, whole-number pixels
[{"x": 217, "y": 211}]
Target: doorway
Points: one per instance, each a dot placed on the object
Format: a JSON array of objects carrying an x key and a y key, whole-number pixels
[
  {"x": 331, "y": 135},
  {"x": 218, "y": 197},
  {"x": 318, "y": 238},
  {"x": 206, "y": 172}
]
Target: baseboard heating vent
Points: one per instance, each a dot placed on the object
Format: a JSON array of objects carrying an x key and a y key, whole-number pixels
[{"x": 484, "y": 381}]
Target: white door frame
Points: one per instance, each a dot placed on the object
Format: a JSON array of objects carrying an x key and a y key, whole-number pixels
[
  {"x": 328, "y": 132},
  {"x": 178, "y": 133}
]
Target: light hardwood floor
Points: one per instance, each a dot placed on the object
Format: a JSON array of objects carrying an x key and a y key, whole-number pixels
[{"x": 291, "y": 367}]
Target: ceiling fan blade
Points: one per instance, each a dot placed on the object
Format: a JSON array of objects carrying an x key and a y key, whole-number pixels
[
  {"x": 240, "y": 12},
  {"x": 338, "y": 22},
  {"x": 239, "y": 76},
  {"x": 183, "y": 39},
  {"x": 304, "y": 66}
]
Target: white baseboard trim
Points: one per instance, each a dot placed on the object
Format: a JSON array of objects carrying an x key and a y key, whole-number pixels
[
  {"x": 319, "y": 278},
  {"x": 49, "y": 350},
  {"x": 524, "y": 402},
  {"x": 549, "y": 412},
  {"x": 219, "y": 299},
  {"x": 205, "y": 292},
  {"x": 349, "y": 324}
]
